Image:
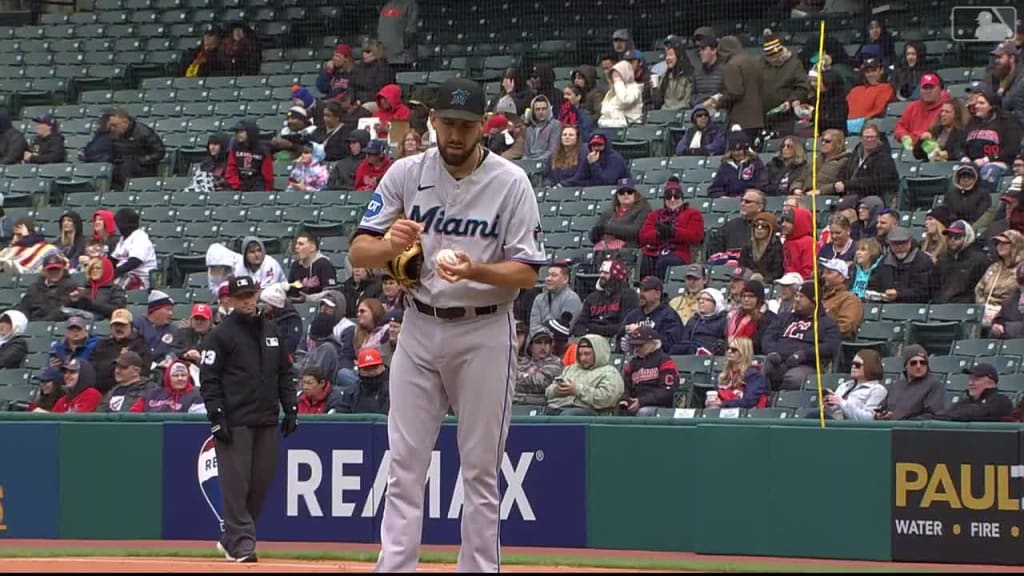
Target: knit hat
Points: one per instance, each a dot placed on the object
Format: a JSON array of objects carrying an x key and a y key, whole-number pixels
[
  {"x": 737, "y": 140},
  {"x": 942, "y": 214},
  {"x": 394, "y": 315},
  {"x": 615, "y": 269},
  {"x": 772, "y": 45},
  {"x": 561, "y": 326},
  {"x": 755, "y": 287},
  {"x": 298, "y": 92},
  {"x": 991, "y": 95},
  {"x": 807, "y": 289},
  {"x": 321, "y": 326},
  {"x": 673, "y": 185},
  {"x": 275, "y": 294},
  {"x": 158, "y": 299},
  {"x": 913, "y": 351},
  {"x": 343, "y": 49}
]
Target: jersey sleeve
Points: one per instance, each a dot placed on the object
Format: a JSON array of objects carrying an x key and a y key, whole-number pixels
[
  {"x": 522, "y": 235},
  {"x": 387, "y": 203}
]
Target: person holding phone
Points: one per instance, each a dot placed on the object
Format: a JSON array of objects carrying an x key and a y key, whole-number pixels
[
  {"x": 861, "y": 396},
  {"x": 589, "y": 387}
]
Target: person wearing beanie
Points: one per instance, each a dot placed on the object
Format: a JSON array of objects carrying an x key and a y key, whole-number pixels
[
  {"x": 918, "y": 394},
  {"x": 544, "y": 133},
  {"x": 992, "y": 138},
  {"x": 206, "y": 59},
  {"x": 839, "y": 303},
  {"x": 752, "y": 317},
  {"x": 967, "y": 198},
  {"x": 536, "y": 369},
  {"x": 789, "y": 341},
  {"x": 960, "y": 267},
  {"x": 323, "y": 349},
  {"x": 653, "y": 312},
  {"x": 740, "y": 170},
  {"x": 606, "y": 307},
  {"x": 372, "y": 73},
  {"x": 798, "y": 250},
  {"x": 784, "y": 84},
  {"x": 702, "y": 137},
  {"x": 335, "y": 78},
  {"x": 741, "y": 93},
  {"x": 933, "y": 242},
  {"x": 669, "y": 234},
  {"x": 157, "y": 327},
  {"x": 301, "y": 96},
  {"x": 764, "y": 254},
  {"x": 343, "y": 173},
  {"x": 906, "y": 271}
]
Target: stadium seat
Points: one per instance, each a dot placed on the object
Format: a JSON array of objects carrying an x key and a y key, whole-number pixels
[{"x": 978, "y": 347}]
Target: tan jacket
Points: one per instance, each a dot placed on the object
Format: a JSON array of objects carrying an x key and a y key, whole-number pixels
[
  {"x": 685, "y": 305},
  {"x": 845, "y": 308}
]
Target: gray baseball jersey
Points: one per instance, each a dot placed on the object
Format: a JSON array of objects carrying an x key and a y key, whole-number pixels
[{"x": 468, "y": 364}]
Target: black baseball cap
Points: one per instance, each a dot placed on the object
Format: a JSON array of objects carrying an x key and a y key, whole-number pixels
[
  {"x": 460, "y": 99},
  {"x": 240, "y": 285},
  {"x": 644, "y": 334},
  {"x": 983, "y": 370}
]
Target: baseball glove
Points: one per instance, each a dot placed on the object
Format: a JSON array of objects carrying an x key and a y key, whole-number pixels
[{"x": 405, "y": 268}]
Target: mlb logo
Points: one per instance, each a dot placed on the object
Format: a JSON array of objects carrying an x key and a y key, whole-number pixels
[{"x": 272, "y": 342}]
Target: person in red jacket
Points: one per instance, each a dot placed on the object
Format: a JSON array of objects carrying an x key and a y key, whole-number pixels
[
  {"x": 80, "y": 393},
  {"x": 372, "y": 168},
  {"x": 798, "y": 250},
  {"x": 390, "y": 107},
  {"x": 919, "y": 116},
  {"x": 178, "y": 394},
  {"x": 669, "y": 233}
]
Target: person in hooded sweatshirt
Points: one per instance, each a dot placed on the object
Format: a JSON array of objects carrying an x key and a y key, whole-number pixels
[
  {"x": 704, "y": 332},
  {"x": 789, "y": 342},
  {"x": 589, "y": 386},
  {"x": 870, "y": 171},
  {"x": 309, "y": 174},
  {"x": 585, "y": 78},
  {"x": 605, "y": 309},
  {"x": 372, "y": 169},
  {"x": 542, "y": 81},
  {"x": 13, "y": 344},
  {"x": 250, "y": 162},
  {"x": 311, "y": 269},
  {"x": 537, "y": 368},
  {"x": 654, "y": 312},
  {"x": 911, "y": 67},
  {"x": 390, "y": 107},
  {"x": 669, "y": 234},
  {"x": 741, "y": 88},
  {"x": 544, "y": 133},
  {"x": 79, "y": 388},
  {"x": 48, "y": 145},
  {"x": 741, "y": 168},
  {"x": 12, "y": 142},
  {"x": 601, "y": 166},
  {"x": 100, "y": 296},
  {"x": 177, "y": 395},
  {"x": 101, "y": 147},
  {"x": 134, "y": 254},
  {"x": 798, "y": 250},
  {"x": 343, "y": 173},
  {"x": 702, "y": 137},
  {"x": 323, "y": 351},
  {"x": 906, "y": 271},
  {"x": 104, "y": 230},
  {"x": 866, "y": 225},
  {"x": 968, "y": 197},
  {"x": 274, "y": 303},
  {"x": 962, "y": 266},
  {"x": 222, "y": 262},
  {"x": 216, "y": 162},
  {"x": 260, "y": 266},
  {"x": 70, "y": 240},
  {"x": 623, "y": 103},
  {"x": 992, "y": 136},
  {"x": 918, "y": 394}
]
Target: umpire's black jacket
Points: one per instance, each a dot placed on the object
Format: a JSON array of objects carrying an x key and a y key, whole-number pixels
[{"x": 246, "y": 371}]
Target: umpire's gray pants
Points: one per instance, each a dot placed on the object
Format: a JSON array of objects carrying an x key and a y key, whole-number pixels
[{"x": 246, "y": 467}]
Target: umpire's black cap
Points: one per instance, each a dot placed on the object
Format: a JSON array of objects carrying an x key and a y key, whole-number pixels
[
  {"x": 460, "y": 99},
  {"x": 241, "y": 285}
]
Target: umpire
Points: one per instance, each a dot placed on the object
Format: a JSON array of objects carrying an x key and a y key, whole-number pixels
[{"x": 246, "y": 373}]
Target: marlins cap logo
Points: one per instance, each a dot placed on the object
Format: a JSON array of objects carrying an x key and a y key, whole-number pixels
[{"x": 460, "y": 97}]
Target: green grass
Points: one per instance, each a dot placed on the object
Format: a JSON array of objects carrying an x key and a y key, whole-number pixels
[{"x": 595, "y": 561}]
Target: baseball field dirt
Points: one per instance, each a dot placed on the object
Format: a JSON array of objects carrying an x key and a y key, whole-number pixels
[{"x": 153, "y": 556}]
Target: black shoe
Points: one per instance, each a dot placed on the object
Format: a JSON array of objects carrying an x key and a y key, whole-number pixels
[
  {"x": 223, "y": 550},
  {"x": 247, "y": 559}
]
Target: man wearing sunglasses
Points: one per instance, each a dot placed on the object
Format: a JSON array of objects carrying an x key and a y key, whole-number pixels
[
  {"x": 906, "y": 269},
  {"x": 734, "y": 235},
  {"x": 669, "y": 233},
  {"x": 918, "y": 394}
]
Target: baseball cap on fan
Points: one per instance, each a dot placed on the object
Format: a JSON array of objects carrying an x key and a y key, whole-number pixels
[{"x": 460, "y": 99}]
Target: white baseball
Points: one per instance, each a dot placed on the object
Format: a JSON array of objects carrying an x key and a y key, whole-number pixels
[{"x": 447, "y": 256}]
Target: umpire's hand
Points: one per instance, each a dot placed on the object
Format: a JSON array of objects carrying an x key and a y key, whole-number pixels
[
  {"x": 219, "y": 427},
  {"x": 291, "y": 421}
]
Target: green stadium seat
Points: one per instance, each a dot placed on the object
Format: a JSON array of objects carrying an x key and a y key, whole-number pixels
[
  {"x": 774, "y": 413},
  {"x": 1013, "y": 346},
  {"x": 798, "y": 400},
  {"x": 1003, "y": 364},
  {"x": 948, "y": 364},
  {"x": 903, "y": 312}
]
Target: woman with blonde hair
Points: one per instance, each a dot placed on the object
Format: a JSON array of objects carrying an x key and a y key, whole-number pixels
[
  {"x": 369, "y": 331},
  {"x": 788, "y": 171},
  {"x": 412, "y": 144},
  {"x": 832, "y": 160},
  {"x": 564, "y": 163},
  {"x": 372, "y": 73},
  {"x": 866, "y": 261},
  {"x": 741, "y": 383},
  {"x": 764, "y": 254},
  {"x": 1000, "y": 280},
  {"x": 933, "y": 243}
]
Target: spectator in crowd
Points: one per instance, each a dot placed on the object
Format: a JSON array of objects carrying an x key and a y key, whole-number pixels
[
  {"x": 992, "y": 137},
  {"x": 78, "y": 385},
  {"x": 556, "y": 298},
  {"x": 869, "y": 212},
  {"x": 622, "y": 43},
  {"x": 542, "y": 81},
  {"x": 322, "y": 350},
  {"x": 735, "y": 235},
  {"x": 669, "y": 235},
  {"x": 653, "y": 312},
  {"x": 866, "y": 261},
  {"x": 704, "y": 333},
  {"x": 134, "y": 254},
  {"x": 764, "y": 254},
  {"x": 221, "y": 264},
  {"x": 537, "y": 369},
  {"x": 564, "y": 163},
  {"x": 982, "y": 403},
  {"x": 130, "y": 388},
  {"x": 840, "y": 240},
  {"x": 788, "y": 171},
  {"x": 933, "y": 242},
  {"x": 77, "y": 342},
  {"x": 832, "y": 161},
  {"x": 390, "y": 107},
  {"x": 870, "y": 171},
  {"x": 275, "y": 305},
  {"x": 1008, "y": 78},
  {"x": 675, "y": 87},
  {"x": 606, "y": 307},
  {"x": 944, "y": 138},
  {"x": 216, "y": 162},
  {"x": 47, "y": 296},
  {"x": 860, "y": 397},
  {"x": 752, "y": 317},
  {"x": 372, "y": 394},
  {"x": 309, "y": 174},
  {"x": 13, "y": 344},
  {"x": 741, "y": 384},
  {"x": 12, "y": 142},
  {"x": 908, "y": 73},
  {"x": 332, "y": 135},
  {"x": 136, "y": 150},
  {"x": 906, "y": 272},
  {"x": 878, "y": 43},
  {"x": 959, "y": 269},
  {"x": 588, "y": 387},
  {"x": 741, "y": 93},
  {"x": 392, "y": 295},
  {"x": 361, "y": 284},
  {"x": 572, "y": 112},
  {"x": 157, "y": 327},
  {"x": 206, "y": 59},
  {"x": 734, "y": 290},
  {"x": 188, "y": 339},
  {"x": 368, "y": 331},
  {"x": 741, "y": 168},
  {"x": 104, "y": 230},
  {"x": 1013, "y": 209},
  {"x": 784, "y": 83},
  {"x": 6, "y": 226},
  {"x": 122, "y": 337},
  {"x": 317, "y": 395},
  {"x": 623, "y": 102},
  {"x": 260, "y": 266},
  {"x": 601, "y": 166},
  {"x": 1000, "y": 280},
  {"x": 298, "y": 129},
  {"x": 685, "y": 304},
  {"x": 393, "y": 320},
  {"x": 49, "y": 382},
  {"x": 241, "y": 51},
  {"x": 250, "y": 163},
  {"x": 48, "y": 145},
  {"x": 412, "y": 144},
  {"x": 868, "y": 100},
  {"x": 798, "y": 250},
  {"x": 709, "y": 76},
  {"x": 888, "y": 220},
  {"x": 505, "y": 134},
  {"x": 789, "y": 342},
  {"x": 396, "y": 29},
  {"x": 918, "y": 394},
  {"x": 651, "y": 376},
  {"x": 372, "y": 73},
  {"x": 100, "y": 296},
  {"x": 544, "y": 133},
  {"x": 702, "y": 137},
  {"x": 788, "y": 286},
  {"x": 619, "y": 226},
  {"x": 373, "y": 167},
  {"x": 101, "y": 147},
  {"x": 839, "y": 303},
  {"x": 28, "y": 251},
  {"x": 585, "y": 78},
  {"x": 967, "y": 199},
  {"x": 515, "y": 94},
  {"x": 343, "y": 173},
  {"x": 177, "y": 395},
  {"x": 919, "y": 116}
]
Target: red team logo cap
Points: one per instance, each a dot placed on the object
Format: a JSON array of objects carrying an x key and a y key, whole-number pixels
[
  {"x": 202, "y": 311},
  {"x": 369, "y": 358}
]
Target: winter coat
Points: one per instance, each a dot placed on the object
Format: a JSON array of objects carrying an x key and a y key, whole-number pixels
[
  {"x": 625, "y": 226},
  {"x": 906, "y": 80},
  {"x": 250, "y": 164},
  {"x": 126, "y": 397},
  {"x": 108, "y": 349},
  {"x": 343, "y": 173},
  {"x": 874, "y": 174},
  {"x": 910, "y": 277},
  {"x": 798, "y": 250},
  {"x": 705, "y": 332},
  {"x": 662, "y": 319},
  {"x": 791, "y": 336},
  {"x": 76, "y": 248},
  {"x": 334, "y": 82},
  {"x": 957, "y": 273},
  {"x": 603, "y": 311},
  {"x": 598, "y": 387},
  {"x": 562, "y": 176},
  {"x": 1010, "y": 316},
  {"x": 368, "y": 79},
  {"x": 830, "y": 171},
  {"x": 549, "y": 306},
  {"x": 918, "y": 118},
  {"x": 354, "y": 292},
  {"x": 12, "y": 142},
  {"x": 969, "y": 205},
  {"x": 712, "y": 138},
  {"x": 707, "y": 81},
  {"x": 860, "y": 401},
  {"x": 833, "y": 109},
  {"x": 333, "y": 402},
  {"x": 652, "y": 380},
  {"x": 136, "y": 153},
  {"x": 623, "y": 103},
  {"x": 996, "y": 138},
  {"x": 784, "y": 83},
  {"x": 207, "y": 63},
  {"x": 676, "y": 88},
  {"x": 43, "y": 301},
  {"x": 609, "y": 169},
  {"x": 1000, "y": 280},
  {"x": 101, "y": 147},
  {"x": 782, "y": 177},
  {"x": 733, "y": 236},
  {"x": 102, "y": 297},
  {"x": 47, "y": 150},
  {"x": 392, "y": 95},
  {"x": 593, "y": 91},
  {"x": 312, "y": 176},
  {"x": 921, "y": 399},
  {"x": 166, "y": 399},
  {"x": 534, "y": 375},
  {"x": 14, "y": 346},
  {"x": 63, "y": 351},
  {"x": 742, "y": 95},
  {"x": 732, "y": 179},
  {"x": 770, "y": 266},
  {"x": 846, "y": 309},
  {"x": 569, "y": 115},
  {"x": 675, "y": 231},
  {"x": 753, "y": 393}
]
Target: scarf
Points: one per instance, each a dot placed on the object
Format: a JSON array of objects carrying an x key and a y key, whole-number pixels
[
  {"x": 568, "y": 115},
  {"x": 860, "y": 280}
]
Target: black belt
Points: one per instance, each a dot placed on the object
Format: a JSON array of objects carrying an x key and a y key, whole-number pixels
[{"x": 453, "y": 313}]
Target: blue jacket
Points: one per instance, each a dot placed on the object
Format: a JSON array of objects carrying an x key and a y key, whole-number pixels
[
  {"x": 609, "y": 169},
  {"x": 159, "y": 339},
  {"x": 792, "y": 337},
  {"x": 732, "y": 179},
  {"x": 60, "y": 349},
  {"x": 701, "y": 332},
  {"x": 712, "y": 143},
  {"x": 663, "y": 319},
  {"x": 754, "y": 386},
  {"x": 333, "y": 84},
  {"x": 556, "y": 176}
]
